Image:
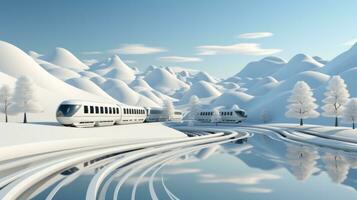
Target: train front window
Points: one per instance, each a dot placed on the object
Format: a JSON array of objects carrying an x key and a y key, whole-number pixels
[
  {"x": 67, "y": 110},
  {"x": 240, "y": 113}
]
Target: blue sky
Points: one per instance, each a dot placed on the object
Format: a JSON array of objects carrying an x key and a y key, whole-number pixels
[{"x": 200, "y": 34}]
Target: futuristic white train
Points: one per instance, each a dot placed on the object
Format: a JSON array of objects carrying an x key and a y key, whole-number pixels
[
  {"x": 232, "y": 115},
  {"x": 80, "y": 113},
  {"x": 157, "y": 114}
]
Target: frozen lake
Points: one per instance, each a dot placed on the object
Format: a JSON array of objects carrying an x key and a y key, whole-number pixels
[{"x": 263, "y": 167}]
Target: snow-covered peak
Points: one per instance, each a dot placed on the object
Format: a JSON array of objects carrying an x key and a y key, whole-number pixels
[
  {"x": 203, "y": 76},
  {"x": 342, "y": 62},
  {"x": 64, "y": 58},
  {"x": 303, "y": 58},
  {"x": 298, "y": 63},
  {"x": 141, "y": 83},
  {"x": 262, "y": 68},
  {"x": 115, "y": 68},
  {"x": 160, "y": 79},
  {"x": 274, "y": 59},
  {"x": 34, "y": 54},
  {"x": 320, "y": 60}
]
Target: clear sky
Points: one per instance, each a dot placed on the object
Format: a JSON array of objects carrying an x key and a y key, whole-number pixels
[{"x": 201, "y": 34}]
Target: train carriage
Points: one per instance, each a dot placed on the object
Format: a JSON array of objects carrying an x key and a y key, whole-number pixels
[
  {"x": 89, "y": 114},
  {"x": 233, "y": 115}
]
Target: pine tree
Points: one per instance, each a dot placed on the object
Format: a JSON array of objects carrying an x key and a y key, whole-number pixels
[
  {"x": 336, "y": 97},
  {"x": 350, "y": 112},
  {"x": 302, "y": 103}
]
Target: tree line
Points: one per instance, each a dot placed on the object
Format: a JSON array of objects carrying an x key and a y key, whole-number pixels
[
  {"x": 337, "y": 102},
  {"x": 20, "y": 100}
]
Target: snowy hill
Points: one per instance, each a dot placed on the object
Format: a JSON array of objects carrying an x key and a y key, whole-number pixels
[
  {"x": 342, "y": 62},
  {"x": 120, "y": 91},
  {"x": 115, "y": 68},
  {"x": 262, "y": 68},
  {"x": 163, "y": 81},
  {"x": 299, "y": 63},
  {"x": 202, "y": 76},
  {"x": 50, "y": 90},
  {"x": 64, "y": 58},
  {"x": 89, "y": 86},
  {"x": 201, "y": 89}
]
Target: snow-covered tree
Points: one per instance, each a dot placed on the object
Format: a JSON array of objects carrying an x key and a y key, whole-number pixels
[
  {"x": 216, "y": 117},
  {"x": 302, "y": 103},
  {"x": 25, "y": 97},
  {"x": 194, "y": 107},
  {"x": 336, "y": 97},
  {"x": 5, "y": 94},
  {"x": 169, "y": 109},
  {"x": 349, "y": 114}
]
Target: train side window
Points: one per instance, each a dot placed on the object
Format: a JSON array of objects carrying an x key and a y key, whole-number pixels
[
  {"x": 113, "y": 110},
  {"x": 106, "y": 110},
  {"x": 117, "y": 110},
  {"x": 124, "y": 110},
  {"x": 91, "y": 108},
  {"x": 85, "y": 109},
  {"x": 101, "y": 110},
  {"x": 110, "y": 110},
  {"x": 97, "y": 110}
]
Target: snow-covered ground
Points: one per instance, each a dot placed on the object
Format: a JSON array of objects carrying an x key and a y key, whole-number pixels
[{"x": 18, "y": 140}]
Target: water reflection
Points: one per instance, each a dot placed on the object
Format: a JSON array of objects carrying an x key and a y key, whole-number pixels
[
  {"x": 336, "y": 166},
  {"x": 265, "y": 165},
  {"x": 301, "y": 160}
]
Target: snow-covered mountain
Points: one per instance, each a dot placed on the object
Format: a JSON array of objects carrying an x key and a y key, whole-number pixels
[
  {"x": 114, "y": 68},
  {"x": 261, "y": 86},
  {"x": 64, "y": 58},
  {"x": 264, "y": 67},
  {"x": 342, "y": 62},
  {"x": 299, "y": 63},
  {"x": 163, "y": 81}
]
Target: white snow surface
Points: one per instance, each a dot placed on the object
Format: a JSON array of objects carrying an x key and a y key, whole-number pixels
[
  {"x": 163, "y": 81},
  {"x": 120, "y": 91},
  {"x": 342, "y": 62},
  {"x": 201, "y": 89},
  {"x": 264, "y": 67},
  {"x": 64, "y": 58},
  {"x": 29, "y": 139},
  {"x": 115, "y": 68}
]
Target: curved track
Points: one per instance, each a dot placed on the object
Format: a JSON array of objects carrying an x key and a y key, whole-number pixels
[{"x": 30, "y": 176}]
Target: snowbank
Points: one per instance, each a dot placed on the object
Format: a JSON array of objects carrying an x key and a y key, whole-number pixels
[{"x": 27, "y": 139}]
